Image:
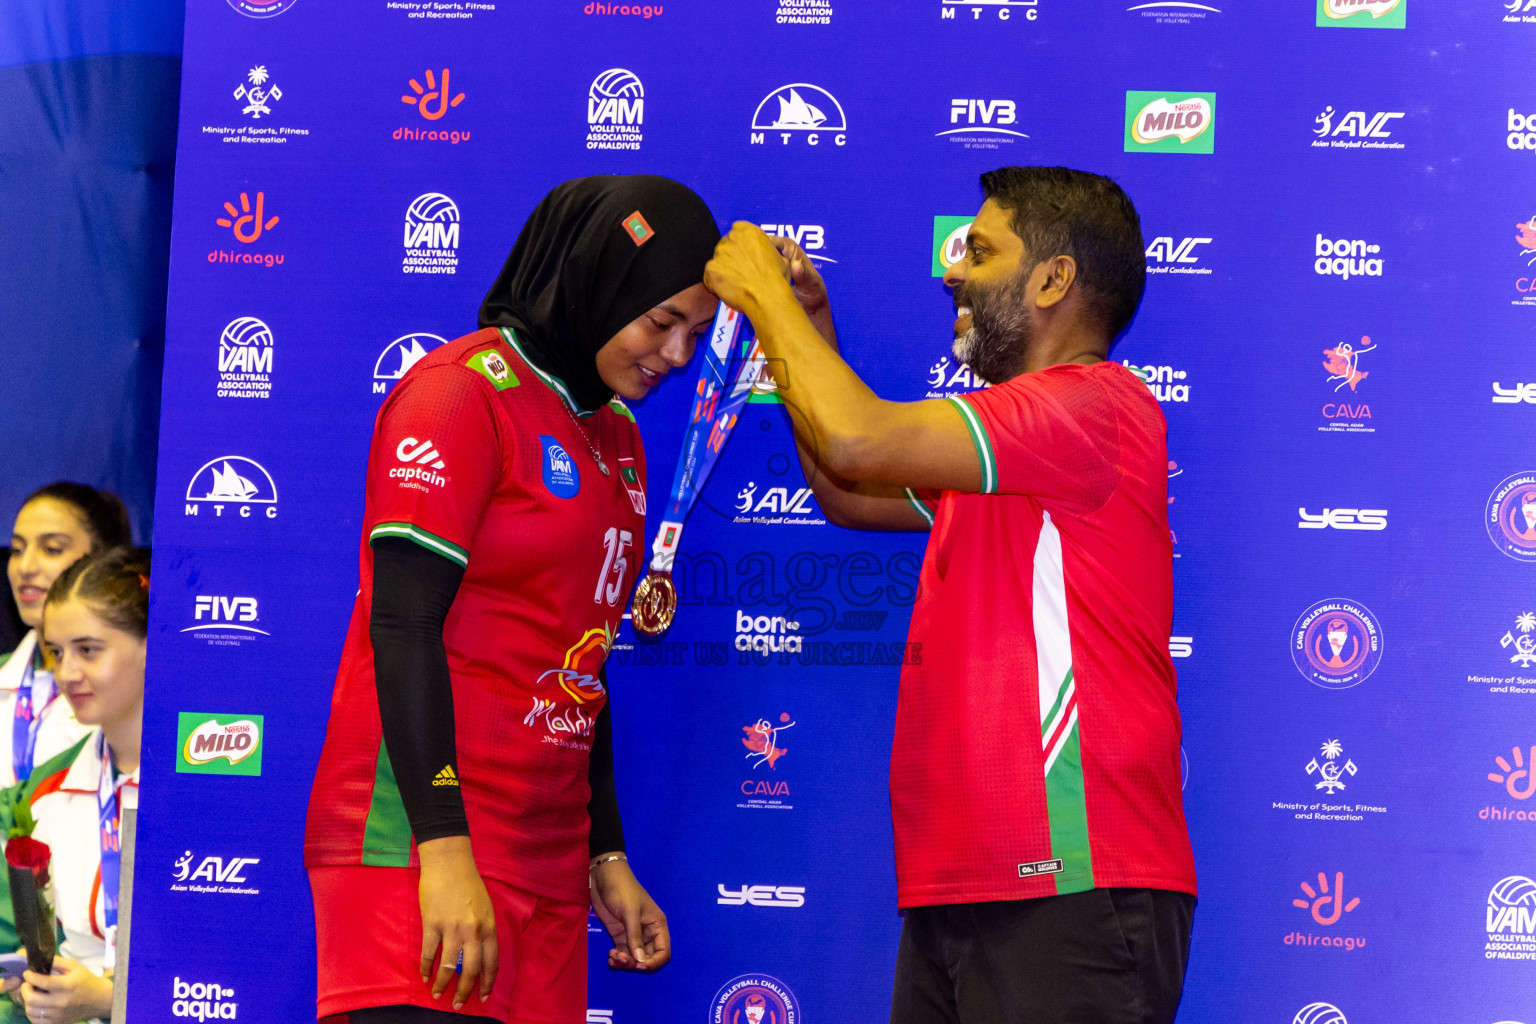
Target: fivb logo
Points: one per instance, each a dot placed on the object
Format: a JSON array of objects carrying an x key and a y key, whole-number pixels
[
  {"x": 232, "y": 481},
  {"x": 615, "y": 110},
  {"x": 1343, "y": 519},
  {"x": 245, "y": 359},
  {"x": 1511, "y": 920},
  {"x": 1319, "y": 1013},
  {"x": 800, "y": 109},
  {"x": 431, "y": 235},
  {"x": 762, "y": 896},
  {"x": 202, "y": 1001},
  {"x": 1355, "y": 130},
  {"x": 400, "y": 355},
  {"x": 211, "y": 611},
  {"x": 812, "y": 238},
  {"x": 1165, "y": 256},
  {"x": 1347, "y": 258},
  {"x": 982, "y": 123},
  {"x": 1163, "y": 122},
  {"x": 1004, "y": 8},
  {"x": 1362, "y": 13}
]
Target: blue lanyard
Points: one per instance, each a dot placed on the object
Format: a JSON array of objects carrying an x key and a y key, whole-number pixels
[
  {"x": 111, "y": 841},
  {"x": 27, "y": 719}
]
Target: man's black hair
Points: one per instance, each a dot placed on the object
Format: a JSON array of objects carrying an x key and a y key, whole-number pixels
[{"x": 1061, "y": 212}]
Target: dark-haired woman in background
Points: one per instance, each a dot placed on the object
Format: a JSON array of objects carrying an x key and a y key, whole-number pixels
[{"x": 94, "y": 627}]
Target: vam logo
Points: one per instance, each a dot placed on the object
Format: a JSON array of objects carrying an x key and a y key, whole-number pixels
[
  {"x": 431, "y": 235},
  {"x": 1525, "y": 237},
  {"x": 1174, "y": 12},
  {"x": 804, "y": 12},
  {"x": 231, "y": 480},
  {"x": 432, "y": 100},
  {"x": 1524, "y": 645},
  {"x": 1347, "y": 258},
  {"x": 1510, "y": 516},
  {"x": 1355, "y": 130},
  {"x": 215, "y": 613},
  {"x": 983, "y": 124},
  {"x": 761, "y": 896},
  {"x": 399, "y": 356},
  {"x": 1161, "y": 122},
  {"x": 261, "y": 8},
  {"x": 245, "y": 359},
  {"x": 1511, "y": 920},
  {"x": 203, "y": 1001},
  {"x": 754, "y": 999},
  {"x": 812, "y": 238},
  {"x": 1336, "y": 644},
  {"x": 214, "y": 871},
  {"x": 1029, "y": 10},
  {"x": 762, "y": 741},
  {"x": 1319, "y": 1013},
  {"x": 218, "y": 744},
  {"x": 1166, "y": 256},
  {"x": 249, "y": 222},
  {"x": 800, "y": 109},
  {"x": 1330, "y": 771},
  {"x": 1343, "y": 519},
  {"x": 949, "y": 237},
  {"x": 1362, "y": 13},
  {"x": 1161, "y": 381},
  {"x": 560, "y": 473},
  {"x": 950, "y": 377},
  {"x": 615, "y": 110},
  {"x": 256, "y": 94}
]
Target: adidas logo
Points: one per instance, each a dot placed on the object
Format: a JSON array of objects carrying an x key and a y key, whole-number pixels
[
  {"x": 423, "y": 453},
  {"x": 446, "y": 777}
]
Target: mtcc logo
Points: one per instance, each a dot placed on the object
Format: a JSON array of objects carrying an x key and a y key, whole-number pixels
[
  {"x": 400, "y": 355},
  {"x": 800, "y": 109},
  {"x": 431, "y": 235},
  {"x": 1319, "y": 1013},
  {"x": 1511, "y": 920},
  {"x": 245, "y": 359},
  {"x": 615, "y": 110},
  {"x": 1326, "y": 905},
  {"x": 754, "y": 999},
  {"x": 1336, "y": 643},
  {"x": 1330, "y": 770},
  {"x": 1030, "y": 9},
  {"x": 1524, "y": 645},
  {"x": 1347, "y": 258},
  {"x": 1510, "y": 516},
  {"x": 1344, "y": 519},
  {"x": 1355, "y": 130},
  {"x": 1362, "y": 13},
  {"x": 256, "y": 94},
  {"x": 1515, "y": 773},
  {"x": 232, "y": 481},
  {"x": 1158, "y": 122},
  {"x": 762, "y": 896}
]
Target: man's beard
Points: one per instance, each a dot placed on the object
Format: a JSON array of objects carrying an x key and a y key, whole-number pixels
[{"x": 1001, "y": 329}]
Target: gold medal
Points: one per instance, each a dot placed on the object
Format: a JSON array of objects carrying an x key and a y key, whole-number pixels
[{"x": 655, "y": 604}]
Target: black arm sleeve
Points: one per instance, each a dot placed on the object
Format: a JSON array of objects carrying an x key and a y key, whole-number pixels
[
  {"x": 607, "y": 834},
  {"x": 412, "y": 592}
]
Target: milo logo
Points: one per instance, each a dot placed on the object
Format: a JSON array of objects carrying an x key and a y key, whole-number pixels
[{"x": 219, "y": 744}]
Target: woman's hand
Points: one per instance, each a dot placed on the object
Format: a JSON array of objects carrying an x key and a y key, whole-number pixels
[
  {"x": 72, "y": 993},
  {"x": 456, "y": 914},
  {"x": 636, "y": 924}
]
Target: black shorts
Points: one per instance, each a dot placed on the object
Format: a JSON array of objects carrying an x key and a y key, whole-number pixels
[{"x": 1105, "y": 956}]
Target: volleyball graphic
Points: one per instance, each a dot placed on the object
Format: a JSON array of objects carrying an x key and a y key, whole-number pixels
[
  {"x": 616, "y": 83},
  {"x": 1319, "y": 1013}
]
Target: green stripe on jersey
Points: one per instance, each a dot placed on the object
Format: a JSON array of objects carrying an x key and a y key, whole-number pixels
[
  {"x": 1068, "y": 813},
  {"x": 387, "y": 834},
  {"x": 554, "y": 383},
  {"x": 917, "y": 503},
  {"x": 431, "y": 541},
  {"x": 983, "y": 445}
]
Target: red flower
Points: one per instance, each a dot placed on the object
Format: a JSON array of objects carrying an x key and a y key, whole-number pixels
[{"x": 30, "y": 854}]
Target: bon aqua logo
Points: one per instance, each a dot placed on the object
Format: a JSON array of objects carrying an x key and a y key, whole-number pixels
[
  {"x": 1170, "y": 122},
  {"x": 1336, "y": 643}
]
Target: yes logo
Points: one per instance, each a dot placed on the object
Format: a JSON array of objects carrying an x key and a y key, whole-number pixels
[
  {"x": 433, "y": 101},
  {"x": 1344, "y": 519},
  {"x": 247, "y": 223},
  {"x": 762, "y": 896},
  {"x": 1159, "y": 122},
  {"x": 1362, "y": 13},
  {"x": 1326, "y": 906}
]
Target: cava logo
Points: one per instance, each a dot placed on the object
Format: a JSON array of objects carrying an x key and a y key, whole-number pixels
[
  {"x": 800, "y": 110},
  {"x": 218, "y": 744},
  {"x": 1511, "y": 920},
  {"x": 767, "y": 634},
  {"x": 1162, "y": 381},
  {"x": 754, "y": 999},
  {"x": 1510, "y": 516},
  {"x": 765, "y": 746},
  {"x": 761, "y": 896},
  {"x": 1167, "y": 255},
  {"x": 431, "y": 235},
  {"x": 232, "y": 482},
  {"x": 203, "y": 1001},
  {"x": 432, "y": 97},
  {"x": 248, "y": 221},
  {"x": 1355, "y": 130},
  {"x": 1347, "y": 258},
  {"x": 950, "y": 377},
  {"x": 1174, "y": 12},
  {"x": 214, "y": 874},
  {"x": 1344, "y": 519},
  {"x": 949, "y": 235},
  {"x": 256, "y": 92},
  {"x": 1158, "y": 122},
  {"x": 215, "y": 614},
  {"x": 1336, "y": 644},
  {"x": 261, "y": 8},
  {"x": 245, "y": 359},
  {"x": 812, "y": 238},
  {"x": 1362, "y": 13},
  {"x": 1004, "y": 10},
  {"x": 399, "y": 356},
  {"x": 1345, "y": 411},
  {"x": 1525, "y": 238},
  {"x": 1319, "y": 1013},
  {"x": 615, "y": 110},
  {"x": 983, "y": 124}
]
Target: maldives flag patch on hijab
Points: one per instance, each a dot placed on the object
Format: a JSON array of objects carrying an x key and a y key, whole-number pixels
[{"x": 638, "y": 228}]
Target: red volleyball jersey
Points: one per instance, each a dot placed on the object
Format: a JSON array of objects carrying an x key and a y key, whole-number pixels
[
  {"x": 477, "y": 456},
  {"x": 1037, "y": 740}
]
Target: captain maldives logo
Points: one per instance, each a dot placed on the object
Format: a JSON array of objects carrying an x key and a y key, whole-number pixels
[
  {"x": 1170, "y": 122},
  {"x": 209, "y": 744},
  {"x": 1362, "y": 13},
  {"x": 1336, "y": 643}
]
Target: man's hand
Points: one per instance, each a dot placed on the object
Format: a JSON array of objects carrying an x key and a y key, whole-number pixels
[
  {"x": 641, "y": 941},
  {"x": 747, "y": 271},
  {"x": 456, "y": 914},
  {"x": 72, "y": 993},
  {"x": 810, "y": 290}
]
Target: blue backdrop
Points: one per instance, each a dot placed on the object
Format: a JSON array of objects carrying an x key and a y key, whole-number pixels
[{"x": 1339, "y": 322}]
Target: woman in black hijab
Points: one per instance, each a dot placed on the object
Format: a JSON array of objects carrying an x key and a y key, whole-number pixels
[{"x": 505, "y": 514}]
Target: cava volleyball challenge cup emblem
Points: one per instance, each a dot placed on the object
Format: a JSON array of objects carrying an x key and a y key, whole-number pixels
[{"x": 733, "y": 366}]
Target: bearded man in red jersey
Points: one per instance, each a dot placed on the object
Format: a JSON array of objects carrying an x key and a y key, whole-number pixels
[{"x": 1049, "y": 881}]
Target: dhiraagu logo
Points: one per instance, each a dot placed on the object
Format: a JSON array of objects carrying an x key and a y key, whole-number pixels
[
  {"x": 211, "y": 744},
  {"x": 949, "y": 242},
  {"x": 1362, "y": 13},
  {"x": 1170, "y": 122}
]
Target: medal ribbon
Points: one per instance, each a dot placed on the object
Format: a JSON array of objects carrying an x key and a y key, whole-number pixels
[
  {"x": 26, "y": 720},
  {"x": 110, "y": 820},
  {"x": 733, "y": 363}
]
